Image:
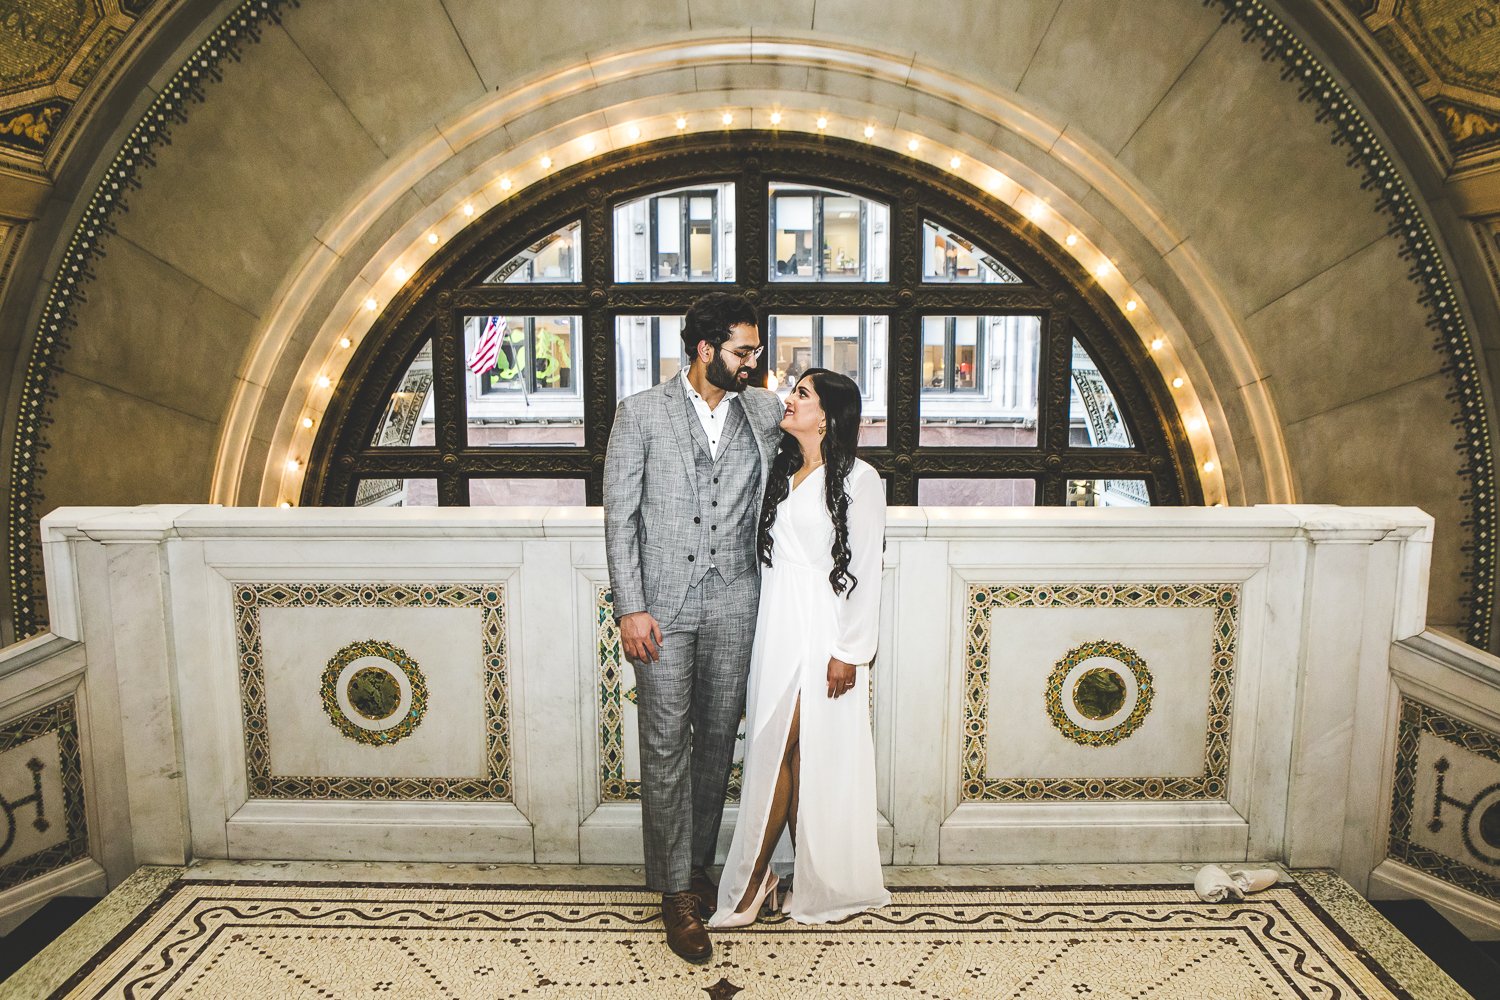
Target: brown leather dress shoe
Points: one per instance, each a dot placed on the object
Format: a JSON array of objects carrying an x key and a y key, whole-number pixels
[
  {"x": 686, "y": 934},
  {"x": 708, "y": 894}
]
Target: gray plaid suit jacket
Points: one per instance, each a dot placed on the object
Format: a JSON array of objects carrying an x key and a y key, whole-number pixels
[{"x": 651, "y": 493}]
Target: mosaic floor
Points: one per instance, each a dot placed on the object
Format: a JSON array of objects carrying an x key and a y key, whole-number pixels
[{"x": 238, "y": 938}]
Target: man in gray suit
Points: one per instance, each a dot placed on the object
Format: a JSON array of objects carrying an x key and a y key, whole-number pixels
[{"x": 683, "y": 480}]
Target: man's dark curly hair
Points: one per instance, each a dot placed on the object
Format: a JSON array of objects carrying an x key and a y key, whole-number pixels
[{"x": 711, "y": 317}]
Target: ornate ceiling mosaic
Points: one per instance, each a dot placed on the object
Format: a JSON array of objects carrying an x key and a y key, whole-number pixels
[
  {"x": 1449, "y": 51},
  {"x": 50, "y": 50}
]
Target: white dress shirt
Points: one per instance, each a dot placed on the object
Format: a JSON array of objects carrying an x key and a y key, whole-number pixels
[{"x": 713, "y": 420}]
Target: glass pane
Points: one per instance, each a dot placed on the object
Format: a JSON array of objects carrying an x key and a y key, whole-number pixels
[
  {"x": 946, "y": 256},
  {"x": 553, "y": 259},
  {"x": 408, "y": 415},
  {"x": 822, "y": 235},
  {"x": 396, "y": 493},
  {"x": 648, "y": 350},
  {"x": 1108, "y": 493},
  {"x": 527, "y": 493},
  {"x": 522, "y": 380},
  {"x": 976, "y": 492},
  {"x": 852, "y": 345},
  {"x": 680, "y": 235},
  {"x": 979, "y": 381},
  {"x": 1094, "y": 419}
]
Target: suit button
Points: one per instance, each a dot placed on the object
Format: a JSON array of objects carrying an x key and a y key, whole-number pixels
[
  {"x": 714, "y": 528},
  {"x": 713, "y": 551},
  {"x": 716, "y": 479},
  {"x": 690, "y": 558},
  {"x": 714, "y": 503},
  {"x": 696, "y": 520}
]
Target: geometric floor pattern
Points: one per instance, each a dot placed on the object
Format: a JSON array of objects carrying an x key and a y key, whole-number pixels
[{"x": 209, "y": 939}]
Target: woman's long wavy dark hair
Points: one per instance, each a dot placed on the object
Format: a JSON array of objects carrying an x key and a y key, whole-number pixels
[{"x": 839, "y": 397}]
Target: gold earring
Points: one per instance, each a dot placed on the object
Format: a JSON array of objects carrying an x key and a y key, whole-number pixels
[{"x": 822, "y": 430}]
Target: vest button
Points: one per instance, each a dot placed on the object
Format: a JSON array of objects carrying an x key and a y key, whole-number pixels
[
  {"x": 716, "y": 479},
  {"x": 713, "y": 552},
  {"x": 714, "y": 503},
  {"x": 697, "y": 520},
  {"x": 714, "y": 527},
  {"x": 690, "y": 558}
]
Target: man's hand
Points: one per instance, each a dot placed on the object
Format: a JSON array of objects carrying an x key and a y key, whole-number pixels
[
  {"x": 641, "y": 637},
  {"x": 840, "y": 676}
]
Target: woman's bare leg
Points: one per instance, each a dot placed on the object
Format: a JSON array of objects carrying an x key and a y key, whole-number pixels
[{"x": 783, "y": 807}]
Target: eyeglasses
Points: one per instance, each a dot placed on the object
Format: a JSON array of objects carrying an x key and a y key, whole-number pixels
[{"x": 746, "y": 353}]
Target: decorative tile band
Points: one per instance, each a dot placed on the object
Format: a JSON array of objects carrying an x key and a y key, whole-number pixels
[
  {"x": 1222, "y": 598},
  {"x": 1428, "y": 272},
  {"x": 249, "y": 599},
  {"x": 60, "y": 718},
  {"x": 1478, "y": 813}
]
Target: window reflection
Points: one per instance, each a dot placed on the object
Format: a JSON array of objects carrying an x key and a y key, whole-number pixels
[
  {"x": 552, "y": 259},
  {"x": 680, "y": 235},
  {"x": 1108, "y": 493},
  {"x": 823, "y": 235},
  {"x": 948, "y": 257},
  {"x": 648, "y": 351},
  {"x": 396, "y": 493},
  {"x": 522, "y": 381},
  {"x": 979, "y": 380},
  {"x": 851, "y": 345},
  {"x": 408, "y": 415},
  {"x": 1094, "y": 419}
]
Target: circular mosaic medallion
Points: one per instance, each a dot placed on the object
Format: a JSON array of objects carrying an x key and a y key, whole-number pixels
[
  {"x": 374, "y": 692},
  {"x": 1481, "y": 830},
  {"x": 1098, "y": 693}
]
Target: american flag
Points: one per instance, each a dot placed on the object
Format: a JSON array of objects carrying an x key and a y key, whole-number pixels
[{"x": 487, "y": 352}]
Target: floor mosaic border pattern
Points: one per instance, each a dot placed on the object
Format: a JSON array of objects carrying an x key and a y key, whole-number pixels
[
  {"x": 224, "y": 938},
  {"x": 61, "y": 718},
  {"x": 613, "y": 785},
  {"x": 978, "y": 786},
  {"x": 249, "y": 599},
  {"x": 1416, "y": 719}
]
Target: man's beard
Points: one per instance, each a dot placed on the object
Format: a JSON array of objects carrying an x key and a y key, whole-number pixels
[{"x": 723, "y": 377}]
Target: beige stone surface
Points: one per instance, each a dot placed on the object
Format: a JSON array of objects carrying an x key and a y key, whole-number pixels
[
  {"x": 412, "y": 72},
  {"x": 733, "y": 14},
  {"x": 1249, "y": 176}
]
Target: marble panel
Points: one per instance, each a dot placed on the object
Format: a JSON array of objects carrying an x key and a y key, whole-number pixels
[
  {"x": 513, "y": 39},
  {"x": 778, "y": 15},
  {"x": 148, "y": 311},
  {"x": 1380, "y": 340},
  {"x": 41, "y": 794},
  {"x": 1241, "y": 167},
  {"x": 1445, "y": 799},
  {"x": 251, "y": 175},
  {"x": 1079, "y": 74},
  {"x": 409, "y": 70},
  {"x": 415, "y": 679},
  {"x": 1097, "y": 655}
]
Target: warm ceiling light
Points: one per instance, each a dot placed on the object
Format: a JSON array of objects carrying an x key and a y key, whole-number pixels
[
  {"x": 307, "y": 421},
  {"x": 1177, "y": 382},
  {"x": 1208, "y": 466},
  {"x": 1158, "y": 344},
  {"x": 1219, "y": 504},
  {"x": 546, "y": 163},
  {"x": 1194, "y": 424},
  {"x": 869, "y": 131},
  {"x": 588, "y": 144},
  {"x": 681, "y": 122},
  {"x": 775, "y": 117},
  {"x": 285, "y": 504},
  {"x": 292, "y": 465},
  {"x": 1037, "y": 210},
  {"x": 468, "y": 208},
  {"x": 323, "y": 381},
  {"x": 506, "y": 184},
  {"x": 1072, "y": 240},
  {"x": 634, "y": 132},
  {"x": 400, "y": 273},
  {"x": 371, "y": 304},
  {"x": 344, "y": 342},
  {"x": 1102, "y": 270},
  {"x": 432, "y": 237},
  {"x": 1130, "y": 306},
  {"x": 727, "y": 118},
  {"x": 822, "y": 122},
  {"x": 955, "y": 162},
  {"x": 912, "y": 144}
]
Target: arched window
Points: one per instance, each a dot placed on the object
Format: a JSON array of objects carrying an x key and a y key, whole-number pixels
[{"x": 994, "y": 371}]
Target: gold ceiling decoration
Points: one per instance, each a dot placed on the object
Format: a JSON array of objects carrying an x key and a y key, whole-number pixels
[
  {"x": 50, "y": 50},
  {"x": 1449, "y": 51}
]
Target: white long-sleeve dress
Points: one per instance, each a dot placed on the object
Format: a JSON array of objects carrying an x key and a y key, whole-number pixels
[{"x": 802, "y": 623}]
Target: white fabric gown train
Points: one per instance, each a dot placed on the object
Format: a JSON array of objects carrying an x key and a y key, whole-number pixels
[{"x": 802, "y": 623}]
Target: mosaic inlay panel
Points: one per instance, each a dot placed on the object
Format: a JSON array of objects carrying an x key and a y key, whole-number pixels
[
  {"x": 1096, "y": 703},
  {"x": 374, "y": 703},
  {"x": 250, "y": 599},
  {"x": 1445, "y": 799},
  {"x": 44, "y": 824},
  {"x": 617, "y": 782},
  {"x": 979, "y": 786}
]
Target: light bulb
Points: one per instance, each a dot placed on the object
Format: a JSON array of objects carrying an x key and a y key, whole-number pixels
[
  {"x": 1219, "y": 503},
  {"x": 1194, "y": 424},
  {"x": 371, "y": 304},
  {"x": 955, "y": 162},
  {"x": 344, "y": 342},
  {"x": 546, "y": 163},
  {"x": 307, "y": 421},
  {"x": 775, "y": 117},
  {"x": 869, "y": 131},
  {"x": 681, "y": 122},
  {"x": 727, "y": 118},
  {"x": 1177, "y": 382},
  {"x": 432, "y": 239},
  {"x": 1072, "y": 240},
  {"x": 323, "y": 381},
  {"x": 1102, "y": 270},
  {"x": 400, "y": 273},
  {"x": 1130, "y": 306},
  {"x": 468, "y": 208},
  {"x": 286, "y": 504},
  {"x": 292, "y": 465},
  {"x": 1208, "y": 466},
  {"x": 1157, "y": 344},
  {"x": 822, "y": 122},
  {"x": 588, "y": 144},
  {"x": 506, "y": 184},
  {"x": 634, "y": 132},
  {"x": 912, "y": 144},
  {"x": 1037, "y": 210}
]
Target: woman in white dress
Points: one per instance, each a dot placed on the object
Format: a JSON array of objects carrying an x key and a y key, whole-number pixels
[{"x": 809, "y": 757}]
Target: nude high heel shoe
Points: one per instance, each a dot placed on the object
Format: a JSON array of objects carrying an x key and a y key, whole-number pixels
[{"x": 747, "y": 916}]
